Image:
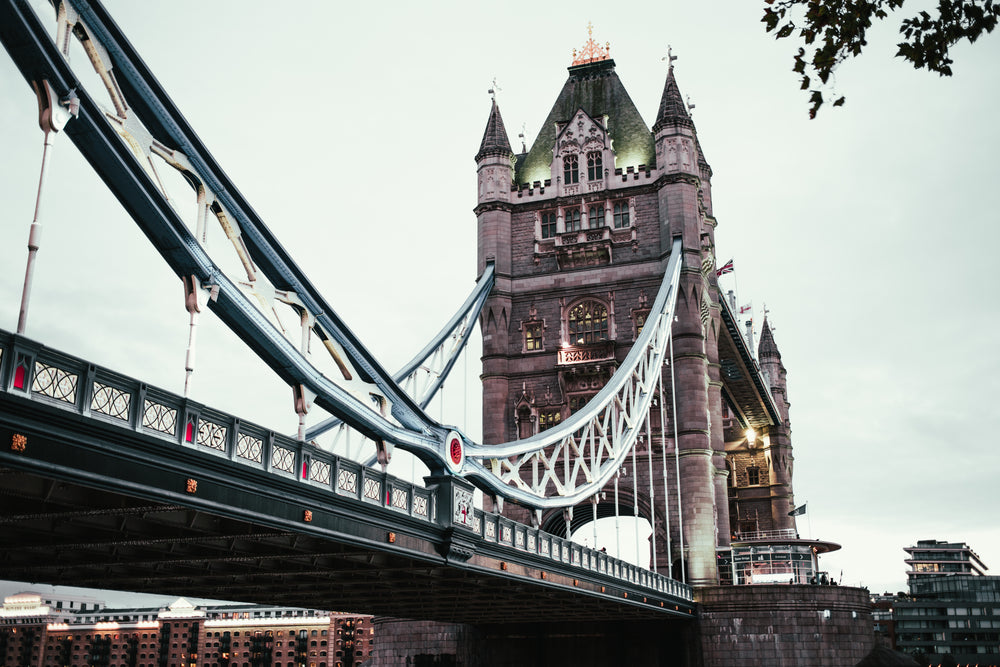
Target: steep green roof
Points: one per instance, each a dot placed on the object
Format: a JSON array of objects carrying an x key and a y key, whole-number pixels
[{"x": 595, "y": 88}]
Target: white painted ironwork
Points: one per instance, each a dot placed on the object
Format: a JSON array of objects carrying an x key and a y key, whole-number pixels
[{"x": 262, "y": 293}]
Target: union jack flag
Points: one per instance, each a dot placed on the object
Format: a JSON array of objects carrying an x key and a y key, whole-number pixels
[
  {"x": 724, "y": 269},
  {"x": 746, "y": 309}
]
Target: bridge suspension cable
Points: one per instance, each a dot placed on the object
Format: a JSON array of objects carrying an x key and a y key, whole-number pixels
[{"x": 555, "y": 469}]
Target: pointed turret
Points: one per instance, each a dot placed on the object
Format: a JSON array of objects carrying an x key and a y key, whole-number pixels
[
  {"x": 706, "y": 170},
  {"x": 770, "y": 363},
  {"x": 672, "y": 110},
  {"x": 767, "y": 347},
  {"x": 495, "y": 140}
]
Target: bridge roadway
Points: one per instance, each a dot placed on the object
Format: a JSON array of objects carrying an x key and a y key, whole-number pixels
[{"x": 106, "y": 482}]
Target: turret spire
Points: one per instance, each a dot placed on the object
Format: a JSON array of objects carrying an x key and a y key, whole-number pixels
[
  {"x": 495, "y": 140},
  {"x": 672, "y": 110},
  {"x": 767, "y": 348}
]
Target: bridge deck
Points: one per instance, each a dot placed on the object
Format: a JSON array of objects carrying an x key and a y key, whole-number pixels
[{"x": 97, "y": 493}]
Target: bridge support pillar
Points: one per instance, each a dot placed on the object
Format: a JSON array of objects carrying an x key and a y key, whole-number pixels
[{"x": 455, "y": 511}]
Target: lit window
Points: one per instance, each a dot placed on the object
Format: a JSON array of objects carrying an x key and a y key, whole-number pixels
[
  {"x": 587, "y": 323},
  {"x": 595, "y": 216},
  {"x": 547, "y": 420},
  {"x": 571, "y": 170},
  {"x": 532, "y": 336},
  {"x": 548, "y": 225},
  {"x": 621, "y": 214},
  {"x": 640, "y": 320},
  {"x": 573, "y": 223},
  {"x": 595, "y": 168}
]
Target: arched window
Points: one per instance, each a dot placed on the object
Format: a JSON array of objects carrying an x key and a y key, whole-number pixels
[
  {"x": 571, "y": 170},
  {"x": 587, "y": 323},
  {"x": 595, "y": 216},
  {"x": 621, "y": 216},
  {"x": 753, "y": 475},
  {"x": 548, "y": 225},
  {"x": 573, "y": 223},
  {"x": 595, "y": 166}
]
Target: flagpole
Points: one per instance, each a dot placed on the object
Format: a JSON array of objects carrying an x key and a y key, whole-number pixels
[{"x": 809, "y": 518}]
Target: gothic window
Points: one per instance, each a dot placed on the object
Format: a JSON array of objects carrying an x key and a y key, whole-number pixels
[
  {"x": 573, "y": 223},
  {"x": 578, "y": 401},
  {"x": 621, "y": 214},
  {"x": 571, "y": 170},
  {"x": 532, "y": 336},
  {"x": 587, "y": 323},
  {"x": 548, "y": 225},
  {"x": 640, "y": 320},
  {"x": 525, "y": 423},
  {"x": 595, "y": 216},
  {"x": 548, "y": 419},
  {"x": 753, "y": 475},
  {"x": 595, "y": 167}
]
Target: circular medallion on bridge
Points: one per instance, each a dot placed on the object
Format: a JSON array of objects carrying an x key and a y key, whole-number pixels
[{"x": 456, "y": 451}]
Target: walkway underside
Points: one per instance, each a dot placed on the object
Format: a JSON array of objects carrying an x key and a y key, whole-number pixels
[{"x": 64, "y": 533}]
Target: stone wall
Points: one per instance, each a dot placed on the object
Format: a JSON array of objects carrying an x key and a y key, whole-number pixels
[
  {"x": 782, "y": 625},
  {"x": 555, "y": 644}
]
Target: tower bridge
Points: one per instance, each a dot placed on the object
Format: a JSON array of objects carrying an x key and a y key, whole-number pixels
[{"x": 617, "y": 381}]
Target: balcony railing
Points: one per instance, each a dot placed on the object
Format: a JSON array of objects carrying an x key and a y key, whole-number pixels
[
  {"x": 767, "y": 535},
  {"x": 603, "y": 351}
]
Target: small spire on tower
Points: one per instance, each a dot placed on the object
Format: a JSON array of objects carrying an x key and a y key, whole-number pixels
[
  {"x": 672, "y": 110},
  {"x": 495, "y": 140}
]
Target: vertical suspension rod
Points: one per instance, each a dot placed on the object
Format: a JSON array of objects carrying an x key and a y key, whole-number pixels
[
  {"x": 666, "y": 493},
  {"x": 34, "y": 240},
  {"x": 652, "y": 495},
  {"x": 677, "y": 459},
  {"x": 635, "y": 503},
  {"x": 618, "y": 529},
  {"x": 53, "y": 114}
]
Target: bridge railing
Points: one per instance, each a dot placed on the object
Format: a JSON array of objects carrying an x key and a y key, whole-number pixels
[
  {"x": 37, "y": 373},
  {"x": 502, "y": 530}
]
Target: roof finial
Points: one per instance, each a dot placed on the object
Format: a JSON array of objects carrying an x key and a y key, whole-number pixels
[
  {"x": 689, "y": 105},
  {"x": 494, "y": 90},
  {"x": 524, "y": 147},
  {"x": 591, "y": 51}
]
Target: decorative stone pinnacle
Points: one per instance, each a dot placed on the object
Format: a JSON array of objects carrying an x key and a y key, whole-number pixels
[{"x": 592, "y": 51}]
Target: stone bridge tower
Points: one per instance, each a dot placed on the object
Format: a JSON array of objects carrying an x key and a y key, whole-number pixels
[{"x": 580, "y": 228}]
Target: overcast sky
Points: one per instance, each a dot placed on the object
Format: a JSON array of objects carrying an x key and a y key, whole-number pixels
[{"x": 870, "y": 233}]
